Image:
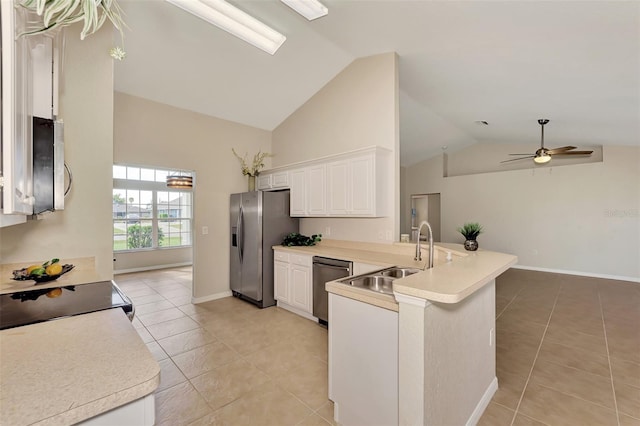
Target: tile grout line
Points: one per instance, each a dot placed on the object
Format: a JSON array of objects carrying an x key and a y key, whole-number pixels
[
  {"x": 507, "y": 305},
  {"x": 555, "y": 302},
  {"x": 606, "y": 344}
]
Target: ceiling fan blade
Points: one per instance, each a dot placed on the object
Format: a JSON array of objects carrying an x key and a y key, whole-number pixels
[
  {"x": 516, "y": 159},
  {"x": 573, "y": 153},
  {"x": 522, "y": 154},
  {"x": 561, "y": 149}
]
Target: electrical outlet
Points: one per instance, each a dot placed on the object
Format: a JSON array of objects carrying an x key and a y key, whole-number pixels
[
  {"x": 327, "y": 231},
  {"x": 205, "y": 230},
  {"x": 389, "y": 235},
  {"x": 381, "y": 235}
]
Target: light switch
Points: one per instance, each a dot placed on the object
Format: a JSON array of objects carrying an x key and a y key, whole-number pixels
[{"x": 205, "y": 230}]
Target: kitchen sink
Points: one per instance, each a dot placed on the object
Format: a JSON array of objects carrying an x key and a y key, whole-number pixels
[
  {"x": 399, "y": 272},
  {"x": 380, "y": 281}
]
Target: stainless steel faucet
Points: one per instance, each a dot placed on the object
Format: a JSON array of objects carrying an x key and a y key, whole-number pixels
[{"x": 418, "y": 253}]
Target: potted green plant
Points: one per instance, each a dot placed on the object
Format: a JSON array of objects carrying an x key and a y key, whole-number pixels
[{"x": 470, "y": 231}]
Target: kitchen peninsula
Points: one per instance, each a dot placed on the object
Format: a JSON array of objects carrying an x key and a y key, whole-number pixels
[
  {"x": 91, "y": 368},
  {"x": 424, "y": 355}
]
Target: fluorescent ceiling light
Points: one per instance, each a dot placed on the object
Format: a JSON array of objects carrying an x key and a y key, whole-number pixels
[
  {"x": 310, "y": 9},
  {"x": 234, "y": 21}
]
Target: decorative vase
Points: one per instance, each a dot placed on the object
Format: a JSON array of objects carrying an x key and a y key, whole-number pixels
[
  {"x": 252, "y": 183},
  {"x": 471, "y": 245}
]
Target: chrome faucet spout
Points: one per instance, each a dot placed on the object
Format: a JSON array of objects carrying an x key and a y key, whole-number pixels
[{"x": 418, "y": 253}]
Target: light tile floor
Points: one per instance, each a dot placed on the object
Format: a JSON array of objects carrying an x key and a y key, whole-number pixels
[{"x": 568, "y": 353}]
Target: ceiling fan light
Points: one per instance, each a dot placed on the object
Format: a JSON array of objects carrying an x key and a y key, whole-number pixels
[{"x": 542, "y": 158}]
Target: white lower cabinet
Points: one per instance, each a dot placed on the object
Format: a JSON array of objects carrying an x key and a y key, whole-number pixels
[
  {"x": 363, "y": 363},
  {"x": 140, "y": 412},
  {"x": 293, "y": 283},
  {"x": 281, "y": 280}
]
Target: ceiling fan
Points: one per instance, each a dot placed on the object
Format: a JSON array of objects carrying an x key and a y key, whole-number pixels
[{"x": 543, "y": 155}]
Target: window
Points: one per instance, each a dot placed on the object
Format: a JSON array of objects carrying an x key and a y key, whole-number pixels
[{"x": 147, "y": 214}]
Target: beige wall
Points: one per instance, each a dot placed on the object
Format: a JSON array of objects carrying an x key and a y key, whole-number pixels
[
  {"x": 154, "y": 134},
  {"x": 145, "y": 260},
  {"x": 84, "y": 227},
  {"x": 358, "y": 108},
  {"x": 581, "y": 218}
]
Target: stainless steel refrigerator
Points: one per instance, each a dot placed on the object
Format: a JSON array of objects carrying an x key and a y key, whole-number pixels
[{"x": 259, "y": 220}]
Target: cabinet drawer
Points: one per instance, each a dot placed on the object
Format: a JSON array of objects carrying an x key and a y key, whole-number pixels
[
  {"x": 281, "y": 256},
  {"x": 301, "y": 260}
]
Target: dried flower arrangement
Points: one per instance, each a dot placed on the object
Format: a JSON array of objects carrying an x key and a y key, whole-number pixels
[{"x": 256, "y": 165}]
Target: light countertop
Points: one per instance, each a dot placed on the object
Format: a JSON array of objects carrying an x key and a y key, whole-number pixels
[
  {"x": 383, "y": 255},
  {"x": 449, "y": 281},
  {"x": 68, "y": 370},
  {"x": 84, "y": 272}
]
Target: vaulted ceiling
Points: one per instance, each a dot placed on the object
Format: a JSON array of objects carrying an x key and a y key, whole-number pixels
[{"x": 505, "y": 62}]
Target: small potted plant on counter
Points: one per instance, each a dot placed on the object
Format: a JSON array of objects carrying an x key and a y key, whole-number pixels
[{"x": 470, "y": 231}]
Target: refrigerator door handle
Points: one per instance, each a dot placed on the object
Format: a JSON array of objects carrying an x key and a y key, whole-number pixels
[{"x": 240, "y": 234}]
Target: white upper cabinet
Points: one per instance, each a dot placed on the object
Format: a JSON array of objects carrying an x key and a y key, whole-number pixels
[
  {"x": 29, "y": 89},
  {"x": 353, "y": 184},
  {"x": 337, "y": 188},
  {"x": 272, "y": 181},
  {"x": 298, "y": 204},
  {"x": 362, "y": 186},
  {"x": 353, "y": 188},
  {"x": 315, "y": 190}
]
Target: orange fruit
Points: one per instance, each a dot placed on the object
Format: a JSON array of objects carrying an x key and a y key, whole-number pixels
[
  {"x": 56, "y": 292},
  {"x": 54, "y": 269}
]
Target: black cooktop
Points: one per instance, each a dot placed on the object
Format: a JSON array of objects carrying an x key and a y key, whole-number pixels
[{"x": 38, "y": 305}]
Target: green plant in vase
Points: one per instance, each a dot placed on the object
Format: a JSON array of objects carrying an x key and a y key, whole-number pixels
[{"x": 470, "y": 232}]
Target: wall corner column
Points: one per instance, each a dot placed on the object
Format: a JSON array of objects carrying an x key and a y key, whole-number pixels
[{"x": 411, "y": 359}]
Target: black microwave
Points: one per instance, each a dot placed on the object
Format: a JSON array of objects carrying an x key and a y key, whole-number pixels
[{"x": 48, "y": 165}]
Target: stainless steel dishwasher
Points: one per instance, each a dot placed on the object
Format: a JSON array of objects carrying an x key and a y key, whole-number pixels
[{"x": 325, "y": 270}]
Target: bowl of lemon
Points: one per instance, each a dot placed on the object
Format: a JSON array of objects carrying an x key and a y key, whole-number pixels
[{"x": 40, "y": 273}]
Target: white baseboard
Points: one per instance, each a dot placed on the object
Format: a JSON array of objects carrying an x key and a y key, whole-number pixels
[
  {"x": 297, "y": 311},
  {"x": 580, "y": 273},
  {"x": 216, "y": 296},
  {"x": 151, "y": 268},
  {"x": 483, "y": 403}
]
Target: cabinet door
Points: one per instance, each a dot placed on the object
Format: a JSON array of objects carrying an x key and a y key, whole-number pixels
[
  {"x": 281, "y": 281},
  {"x": 41, "y": 49},
  {"x": 338, "y": 192},
  {"x": 362, "y": 186},
  {"x": 300, "y": 287},
  {"x": 316, "y": 201},
  {"x": 264, "y": 182},
  {"x": 280, "y": 180},
  {"x": 17, "y": 194},
  {"x": 298, "y": 190}
]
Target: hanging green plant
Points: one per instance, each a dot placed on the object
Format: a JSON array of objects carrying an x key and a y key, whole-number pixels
[{"x": 61, "y": 13}]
